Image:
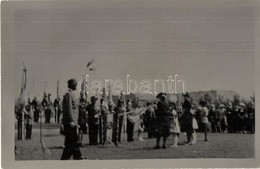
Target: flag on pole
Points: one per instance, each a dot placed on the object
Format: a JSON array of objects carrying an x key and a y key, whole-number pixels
[
  {"x": 104, "y": 96},
  {"x": 83, "y": 89},
  {"x": 92, "y": 69},
  {"x": 24, "y": 80},
  {"x": 91, "y": 62},
  {"x": 23, "y": 95},
  {"x": 22, "y": 99},
  {"x": 124, "y": 128},
  {"x": 110, "y": 98},
  {"x": 58, "y": 89}
]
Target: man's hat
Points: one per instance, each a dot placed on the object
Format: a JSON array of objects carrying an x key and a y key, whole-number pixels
[
  {"x": 203, "y": 102},
  {"x": 186, "y": 94},
  {"x": 72, "y": 82},
  {"x": 93, "y": 98},
  {"x": 160, "y": 95}
]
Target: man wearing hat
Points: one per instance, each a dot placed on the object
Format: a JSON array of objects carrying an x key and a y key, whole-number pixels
[
  {"x": 93, "y": 121},
  {"x": 48, "y": 109},
  {"x": 70, "y": 119},
  {"x": 242, "y": 117},
  {"x": 163, "y": 120},
  {"x": 251, "y": 117},
  {"x": 187, "y": 118}
]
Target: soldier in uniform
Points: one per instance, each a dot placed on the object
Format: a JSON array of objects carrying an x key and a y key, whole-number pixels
[
  {"x": 70, "y": 119},
  {"x": 28, "y": 120},
  {"x": 36, "y": 111},
  {"x": 19, "y": 117},
  {"x": 57, "y": 109},
  {"x": 103, "y": 121},
  {"x": 118, "y": 113},
  {"x": 82, "y": 120},
  {"x": 46, "y": 103},
  {"x": 93, "y": 121}
]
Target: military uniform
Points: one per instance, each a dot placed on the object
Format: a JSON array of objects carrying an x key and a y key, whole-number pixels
[
  {"x": 93, "y": 122},
  {"x": 103, "y": 124},
  {"x": 70, "y": 115},
  {"x": 36, "y": 111},
  {"x": 28, "y": 121},
  {"x": 57, "y": 109}
]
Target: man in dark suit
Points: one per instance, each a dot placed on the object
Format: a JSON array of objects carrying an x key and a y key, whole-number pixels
[
  {"x": 162, "y": 120},
  {"x": 36, "y": 111},
  {"x": 70, "y": 119},
  {"x": 93, "y": 121}
]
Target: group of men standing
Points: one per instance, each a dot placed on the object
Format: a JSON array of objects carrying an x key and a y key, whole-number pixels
[
  {"x": 31, "y": 111},
  {"x": 76, "y": 118}
]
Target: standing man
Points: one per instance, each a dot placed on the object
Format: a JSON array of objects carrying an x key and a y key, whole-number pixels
[
  {"x": 48, "y": 110},
  {"x": 46, "y": 104},
  {"x": 117, "y": 113},
  {"x": 82, "y": 120},
  {"x": 103, "y": 117},
  {"x": 251, "y": 117},
  {"x": 36, "y": 111},
  {"x": 163, "y": 120},
  {"x": 130, "y": 124},
  {"x": 93, "y": 121},
  {"x": 70, "y": 119},
  {"x": 57, "y": 109},
  {"x": 19, "y": 116},
  {"x": 28, "y": 120},
  {"x": 230, "y": 117}
]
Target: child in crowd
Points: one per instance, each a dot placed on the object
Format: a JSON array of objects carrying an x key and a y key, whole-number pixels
[
  {"x": 175, "y": 127},
  {"x": 140, "y": 129},
  {"x": 194, "y": 124},
  {"x": 204, "y": 118}
]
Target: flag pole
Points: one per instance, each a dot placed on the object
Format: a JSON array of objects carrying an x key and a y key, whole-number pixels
[
  {"x": 23, "y": 88},
  {"x": 124, "y": 117}
]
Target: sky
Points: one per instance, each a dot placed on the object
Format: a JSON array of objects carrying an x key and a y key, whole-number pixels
[{"x": 209, "y": 44}]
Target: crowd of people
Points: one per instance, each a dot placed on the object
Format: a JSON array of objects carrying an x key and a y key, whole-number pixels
[
  {"x": 161, "y": 119},
  {"x": 166, "y": 118}
]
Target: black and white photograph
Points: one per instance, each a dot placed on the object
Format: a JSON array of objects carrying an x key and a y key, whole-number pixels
[{"x": 129, "y": 80}]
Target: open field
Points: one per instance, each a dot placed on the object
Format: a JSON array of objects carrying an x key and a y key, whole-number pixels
[{"x": 219, "y": 146}]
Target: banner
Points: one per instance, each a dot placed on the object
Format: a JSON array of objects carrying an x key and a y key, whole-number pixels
[{"x": 134, "y": 117}]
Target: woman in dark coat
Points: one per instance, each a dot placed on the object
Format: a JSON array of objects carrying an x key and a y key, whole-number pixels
[
  {"x": 186, "y": 118},
  {"x": 162, "y": 120},
  {"x": 149, "y": 119}
]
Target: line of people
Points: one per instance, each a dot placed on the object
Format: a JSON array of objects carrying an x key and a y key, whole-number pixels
[
  {"x": 77, "y": 118},
  {"x": 160, "y": 120},
  {"x": 166, "y": 118}
]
